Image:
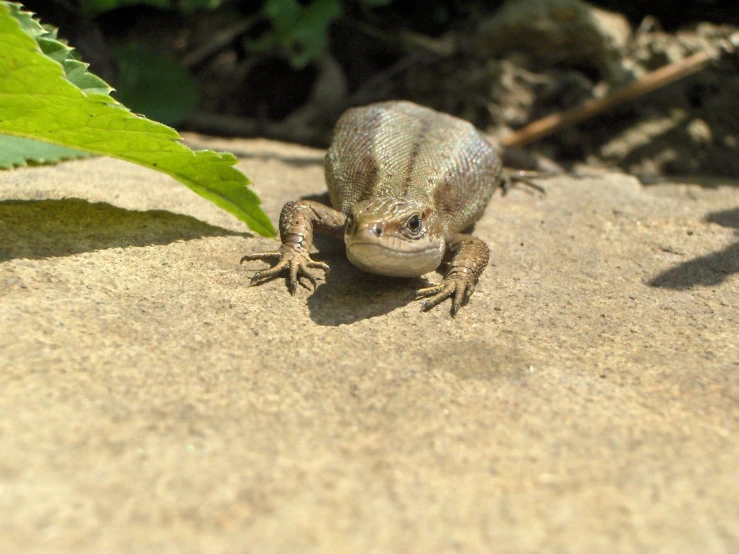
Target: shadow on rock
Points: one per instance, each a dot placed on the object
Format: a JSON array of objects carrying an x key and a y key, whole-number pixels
[
  {"x": 725, "y": 218},
  {"x": 39, "y": 229},
  {"x": 350, "y": 295},
  {"x": 477, "y": 359},
  {"x": 295, "y": 161},
  {"x": 708, "y": 270}
]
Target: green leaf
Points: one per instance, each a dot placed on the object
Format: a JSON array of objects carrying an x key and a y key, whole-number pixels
[
  {"x": 154, "y": 85},
  {"x": 18, "y": 152},
  {"x": 63, "y": 104},
  {"x": 283, "y": 14},
  {"x": 302, "y": 30}
]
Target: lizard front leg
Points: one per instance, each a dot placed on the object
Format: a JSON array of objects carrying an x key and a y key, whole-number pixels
[
  {"x": 469, "y": 256},
  {"x": 298, "y": 220}
]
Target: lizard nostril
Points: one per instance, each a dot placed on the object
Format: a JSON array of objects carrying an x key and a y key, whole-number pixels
[{"x": 377, "y": 229}]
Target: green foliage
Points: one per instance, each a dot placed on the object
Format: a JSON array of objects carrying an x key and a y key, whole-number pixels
[
  {"x": 46, "y": 94},
  {"x": 17, "y": 152},
  {"x": 96, "y": 7},
  {"x": 153, "y": 84},
  {"x": 301, "y": 30}
]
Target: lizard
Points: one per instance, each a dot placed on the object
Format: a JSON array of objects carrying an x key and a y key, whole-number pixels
[{"x": 404, "y": 182}]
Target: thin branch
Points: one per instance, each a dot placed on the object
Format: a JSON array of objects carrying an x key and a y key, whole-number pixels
[{"x": 652, "y": 81}]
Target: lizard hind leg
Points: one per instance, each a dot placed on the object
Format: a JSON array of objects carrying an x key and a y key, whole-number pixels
[
  {"x": 298, "y": 221},
  {"x": 469, "y": 258}
]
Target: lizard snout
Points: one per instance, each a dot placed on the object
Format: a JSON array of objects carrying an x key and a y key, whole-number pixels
[
  {"x": 377, "y": 229},
  {"x": 368, "y": 231}
]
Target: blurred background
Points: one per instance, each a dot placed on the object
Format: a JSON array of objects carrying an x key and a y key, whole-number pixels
[{"x": 286, "y": 69}]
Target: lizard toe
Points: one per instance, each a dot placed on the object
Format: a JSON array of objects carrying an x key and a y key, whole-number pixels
[
  {"x": 459, "y": 290},
  {"x": 266, "y": 274},
  {"x": 319, "y": 265},
  {"x": 260, "y": 256},
  {"x": 438, "y": 294},
  {"x": 295, "y": 263},
  {"x": 303, "y": 272}
]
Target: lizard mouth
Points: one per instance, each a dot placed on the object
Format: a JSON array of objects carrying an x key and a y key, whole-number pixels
[{"x": 395, "y": 257}]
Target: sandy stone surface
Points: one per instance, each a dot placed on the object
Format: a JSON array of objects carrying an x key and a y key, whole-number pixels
[{"x": 584, "y": 401}]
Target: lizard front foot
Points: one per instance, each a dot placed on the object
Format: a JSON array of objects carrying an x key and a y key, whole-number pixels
[
  {"x": 469, "y": 256},
  {"x": 458, "y": 288},
  {"x": 295, "y": 262}
]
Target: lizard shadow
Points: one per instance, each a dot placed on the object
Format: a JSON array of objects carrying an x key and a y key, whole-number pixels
[
  {"x": 40, "y": 229},
  {"x": 711, "y": 269},
  {"x": 349, "y": 295},
  {"x": 321, "y": 198}
]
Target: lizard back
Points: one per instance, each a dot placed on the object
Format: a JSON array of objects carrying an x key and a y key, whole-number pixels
[{"x": 399, "y": 150}]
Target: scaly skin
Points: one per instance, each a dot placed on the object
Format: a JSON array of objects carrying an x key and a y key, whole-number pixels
[
  {"x": 297, "y": 222},
  {"x": 404, "y": 181},
  {"x": 469, "y": 258}
]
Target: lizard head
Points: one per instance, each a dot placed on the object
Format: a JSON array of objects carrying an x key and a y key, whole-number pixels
[{"x": 396, "y": 238}]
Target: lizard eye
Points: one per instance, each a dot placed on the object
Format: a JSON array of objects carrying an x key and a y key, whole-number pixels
[
  {"x": 414, "y": 223},
  {"x": 349, "y": 222}
]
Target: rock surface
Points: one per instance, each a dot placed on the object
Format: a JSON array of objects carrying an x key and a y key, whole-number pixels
[{"x": 584, "y": 401}]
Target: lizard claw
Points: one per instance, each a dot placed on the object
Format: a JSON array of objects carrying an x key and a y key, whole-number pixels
[
  {"x": 458, "y": 289},
  {"x": 308, "y": 275},
  {"x": 319, "y": 265},
  {"x": 295, "y": 262}
]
